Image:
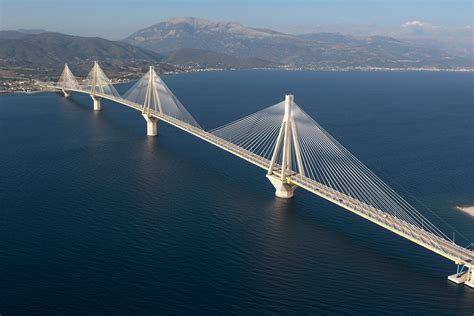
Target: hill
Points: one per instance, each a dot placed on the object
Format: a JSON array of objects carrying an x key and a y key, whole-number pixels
[
  {"x": 44, "y": 54},
  {"x": 319, "y": 50},
  {"x": 199, "y": 58},
  {"x": 49, "y": 51}
]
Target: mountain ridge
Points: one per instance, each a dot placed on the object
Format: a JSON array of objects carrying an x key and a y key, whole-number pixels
[
  {"x": 309, "y": 51},
  {"x": 50, "y": 50},
  {"x": 46, "y": 52}
]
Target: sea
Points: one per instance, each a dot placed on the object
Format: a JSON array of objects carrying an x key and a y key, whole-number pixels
[{"x": 98, "y": 218}]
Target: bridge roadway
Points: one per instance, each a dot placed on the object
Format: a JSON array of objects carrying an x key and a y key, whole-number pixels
[{"x": 443, "y": 247}]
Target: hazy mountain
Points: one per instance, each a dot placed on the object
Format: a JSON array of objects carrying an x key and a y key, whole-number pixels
[
  {"x": 228, "y": 38},
  {"x": 45, "y": 53},
  {"x": 31, "y": 31},
  {"x": 184, "y": 43},
  {"x": 47, "y": 48},
  {"x": 310, "y": 50},
  {"x": 193, "y": 57},
  {"x": 15, "y": 34},
  {"x": 49, "y": 51},
  {"x": 11, "y": 34}
]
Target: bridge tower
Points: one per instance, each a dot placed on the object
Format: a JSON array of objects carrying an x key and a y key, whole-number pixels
[
  {"x": 96, "y": 99},
  {"x": 152, "y": 102},
  {"x": 67, "y": 80},
  {"x": 287, "y": 135},
  {"x": 66, "y": 72}
]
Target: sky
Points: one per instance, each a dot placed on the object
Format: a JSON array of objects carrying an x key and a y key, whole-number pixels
[{"x": 116, "y": 19}]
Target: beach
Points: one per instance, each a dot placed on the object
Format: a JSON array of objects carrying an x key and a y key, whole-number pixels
[{"x": 466, "y": 209}]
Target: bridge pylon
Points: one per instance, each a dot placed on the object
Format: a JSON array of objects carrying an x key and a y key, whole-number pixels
[
  {"x": 67, "y": 81},
  {"x": 152, "y": 102},
  {"x": 280, "y": 175},
  {"x": 99, "y": 85},
  {"x": 66, "y": 72},
  {"x": 95, "y": 99}
]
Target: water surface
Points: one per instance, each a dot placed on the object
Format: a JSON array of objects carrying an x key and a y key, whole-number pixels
[{"x": 97, "y": 217}]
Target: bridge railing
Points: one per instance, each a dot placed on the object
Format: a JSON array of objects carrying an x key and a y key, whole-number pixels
[{"x": 423, "y": 237}]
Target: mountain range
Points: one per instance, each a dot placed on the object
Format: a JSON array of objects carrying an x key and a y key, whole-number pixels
[
  {"x": 44, "y": 54},
  {"x": 190, "y": 43},
  {"x": 311, "y": 51}
]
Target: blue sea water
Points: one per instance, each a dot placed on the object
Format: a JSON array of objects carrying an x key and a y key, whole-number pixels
[{"x": 96, "y": 217}]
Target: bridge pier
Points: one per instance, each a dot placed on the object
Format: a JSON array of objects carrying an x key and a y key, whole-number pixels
[
  {"x": 66, "y": 93},
  {"x": 463, "y": 276},
  {"x": 151, "y": 125},
  {"x": 97, "y": 105},
  {"x": 470, "y": 277},
  {"x": 282, "y": 189}
]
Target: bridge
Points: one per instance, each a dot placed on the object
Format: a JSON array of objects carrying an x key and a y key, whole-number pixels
[{"x": 293, "y": 149}]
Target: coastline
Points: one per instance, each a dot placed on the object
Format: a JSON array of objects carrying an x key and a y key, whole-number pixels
[
  {"x": 30, "y": 88},
  {"x": 469, "y": 210}
]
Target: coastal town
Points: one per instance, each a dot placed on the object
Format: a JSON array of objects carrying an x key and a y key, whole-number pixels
[{"x": 27, "y": 83}]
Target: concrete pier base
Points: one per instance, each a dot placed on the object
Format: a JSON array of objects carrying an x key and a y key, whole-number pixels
[
  {"x": 66, "y": 93},
  {"x": 470, "y": 278},
  {"x": 458, "y": 279},
  {"x": 282, "y": 190},
  {"x": 467, "y": 277},
  {"x": 97, "y": 106},
  {"x": 151, "y": 125}
]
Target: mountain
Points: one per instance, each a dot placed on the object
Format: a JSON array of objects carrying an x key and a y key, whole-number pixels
[
  {"x": 224, "y": 37},
  {"x": 53, "y": 48},
  {"x": 11, "y": 34},
  {"x": 15, "y": 34},
  {"x": 32, "y": 31},
  {"x": 319, "y": 50},
  {"x": 45, "y": 53},
  {"x": 199, "y": 58},
  {"x": 49, "y": 51}
]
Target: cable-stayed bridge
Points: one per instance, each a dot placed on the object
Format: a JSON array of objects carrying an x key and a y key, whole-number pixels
[{"x": 293, "y": 149}]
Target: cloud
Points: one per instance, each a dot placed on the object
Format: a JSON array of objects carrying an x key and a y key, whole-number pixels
[{"x": 416, "y": 26}]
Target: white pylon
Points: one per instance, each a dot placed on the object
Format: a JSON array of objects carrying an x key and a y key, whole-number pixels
[
  {"x": 287, "y": 135},
  {"x": 67, "y": 81},
  {"x": 95, "y": 99},
  {"x": 152, "y": 102},
  {"x": 66, "y": 72},
  {"x": 94, "y": 77}
]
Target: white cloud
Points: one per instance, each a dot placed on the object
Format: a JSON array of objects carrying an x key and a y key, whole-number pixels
[
  {"x": 417, "y": 26},
  {"x": 413, "y": 23}
]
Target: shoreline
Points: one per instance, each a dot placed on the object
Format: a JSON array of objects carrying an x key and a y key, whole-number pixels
[
  {"x": 349, "y": 69},
  {"x": 469, "y": 210}
]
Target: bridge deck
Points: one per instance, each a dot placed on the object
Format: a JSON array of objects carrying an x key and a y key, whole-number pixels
[{"x": 439, "y": 245}]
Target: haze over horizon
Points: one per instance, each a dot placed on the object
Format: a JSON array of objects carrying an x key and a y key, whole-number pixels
[{"x": 435, "y": 19}]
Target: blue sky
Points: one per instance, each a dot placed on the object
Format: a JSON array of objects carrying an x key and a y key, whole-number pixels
[{"x": 117, "y": 19}]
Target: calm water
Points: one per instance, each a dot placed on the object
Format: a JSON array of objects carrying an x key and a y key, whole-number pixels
[{"x": 96, "y": 217}]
